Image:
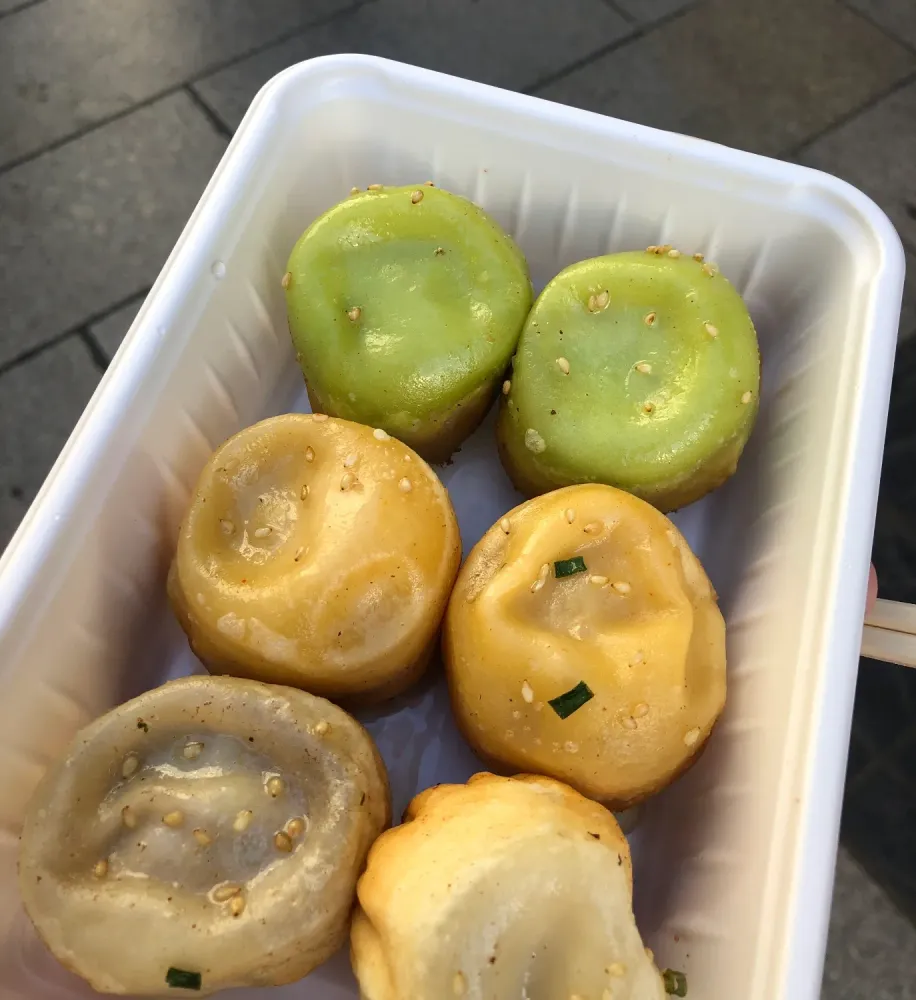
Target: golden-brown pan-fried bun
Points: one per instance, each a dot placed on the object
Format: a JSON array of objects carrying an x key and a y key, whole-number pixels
[
  {"x": 318, "y": 553},
  {"x": 583, "y": 640},
  {"x": 207, "y": 834},
  {"x": 499, "y": 889}
]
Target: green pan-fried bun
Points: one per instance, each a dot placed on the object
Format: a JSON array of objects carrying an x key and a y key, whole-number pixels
[
  {"x": 639, "y": 370},
  {"x": 405, "y": 305}
]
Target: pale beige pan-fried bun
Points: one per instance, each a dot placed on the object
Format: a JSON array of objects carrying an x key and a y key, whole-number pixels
[
  {"x": 639, "y": 627},
  {"x": 318, "y": 553},
  {"x": 498, "y": 889},
  {"x": 214, "y": 825}
]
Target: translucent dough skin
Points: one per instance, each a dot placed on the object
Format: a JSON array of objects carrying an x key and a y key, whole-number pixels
[
  {"x": 668, "y": 431},
  {"x": 345, "y": 594},
  {"x": 438, "y": 294},
  {"x": 153, "y": 791},
  {"x": 500, "y": 889},
  {"x": 647, "y": 638}
]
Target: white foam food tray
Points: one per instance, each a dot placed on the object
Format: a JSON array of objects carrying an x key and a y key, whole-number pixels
[{"x": 734, "y": 863}]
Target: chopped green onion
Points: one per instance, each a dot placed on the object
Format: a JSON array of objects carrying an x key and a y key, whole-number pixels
[
  {"x": 675, "y": 983},
  {"x": 569, "y": 567},
  {"x": 565, "y": 704},
  {"x": 179, "y": 979}
]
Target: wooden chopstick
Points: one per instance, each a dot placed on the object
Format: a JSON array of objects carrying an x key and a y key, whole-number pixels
[
  {"x": 890, "y": 633},
  {"x": 893, "y": 615}
]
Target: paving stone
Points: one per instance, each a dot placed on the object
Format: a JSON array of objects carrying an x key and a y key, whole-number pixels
[
  {"x": 871, "y": 947},
  {"x": 40, "y": 402},
  {"x": 88, "y": 224},
  {"x": 65, "y": 64},
  {"x": 759, "y": 76},
  {"x": 898, "y": 17},
  {"x": 110, "y": 331},
  {"x": 649, "y": 11},
  {"x": 876, "y": 151},
  {"x": 486, "y": 40}
]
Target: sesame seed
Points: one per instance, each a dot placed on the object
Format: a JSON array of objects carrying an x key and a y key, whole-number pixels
[
  {"x": 192, "y": 750},
  {"x": 416, "y": 198},
  {"x": 616, "y": 969},
  {"x": 374, "y": 187},
  {"x": 100, "y": 868},
  {"x": 202, "y": 837},
  {"x": 543, "y": 573},
  {"x": 295, "y": 827},
  {"x": 354, "y": 190},
  {"x": 527, "y": 692},
  {"x": 227, "y": 527},
  {"x": 629, "y": 723},
  {"x": 347, "y": 480},
  {"x": 713, "y": 331},
  {"x": 698, "y": 257},
  {"x": 592, "y": 303},
  {"x": 129, "y": 818},
  {"x": 223, "y": 893},
  {"x": 459, "y": 984},
  {"x": 237, "y": 905},
  {"x": 650, "y": 319},
  {"x": 242, "y": 820},
  {"x": 380, "y": 435},
  {"x": 322, "y": 727},
  {"x": 405, "y": 485},
  {"x": 350, "y": 461},
  {"x": 309, "y": 454},
  {"x": 593, "y": 527},
  {"x": 674, "y": 253},
  {"x": 709, "y": 270},
  {"x": 275, "y": 787},
  {"x": 651, "y": 249},
  {"x": 691, "y": 736},
  {"x": 354, "y": 313},
  {"x": 262, "y": 532},
  {"x": 285, "y": 280},
  {"x": 746, "y": 397},
  {"x": 649, "y": 407},
  {"x": 640, "y": 710},
  {"x": 602, "y": 299},
  {"x": 597, "y": 580},
  {"x": 505, "y": 524},
  {"x": 283, "y": 842},
  {"x": 570, "y": 515},
  {"x": 174, "y": 819},
  {"x": 571, "y": 747},
  {"x": 664, "y": 249},
  {"x": 304, "y": 492},
  {"x": 429, "y": 184},
  {"x": 534, "y": 442},
  {"x": 644, "y": 367},
  {"x": 563, "y": 365},
  {"x": 621, "y": 586},
  {"x": 507, "y": 387},
  {"x": 298, "y": 554},
  {"x": 129, "y": 766},
  {"x": 440, "y": 251}
]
